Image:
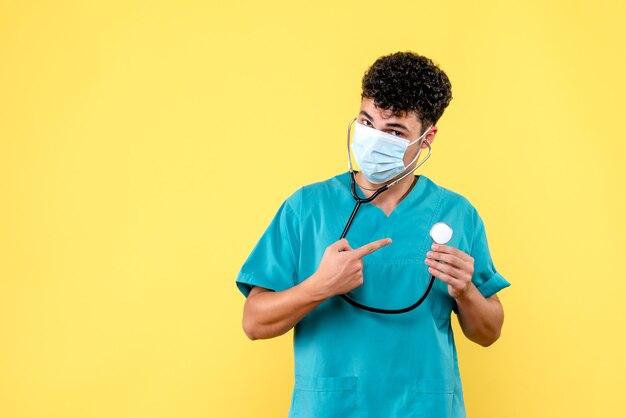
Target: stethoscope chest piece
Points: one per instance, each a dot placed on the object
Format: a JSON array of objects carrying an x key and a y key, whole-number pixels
[{"x": 441, "y": 233}]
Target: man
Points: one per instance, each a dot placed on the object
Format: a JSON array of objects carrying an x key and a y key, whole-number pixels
[{"x": 350, "y": 362}]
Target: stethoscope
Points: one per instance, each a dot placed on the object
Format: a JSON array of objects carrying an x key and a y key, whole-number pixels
[{"x": 441, "y": 233}]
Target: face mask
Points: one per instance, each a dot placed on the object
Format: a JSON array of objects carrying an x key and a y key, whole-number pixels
[{"x": 379, "y": 154}]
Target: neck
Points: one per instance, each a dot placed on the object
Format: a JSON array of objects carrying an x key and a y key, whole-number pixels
[{"x": 392, "y": 196}]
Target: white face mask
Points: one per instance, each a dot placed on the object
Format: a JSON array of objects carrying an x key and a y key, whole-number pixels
[{"x": 380, "y": 155}]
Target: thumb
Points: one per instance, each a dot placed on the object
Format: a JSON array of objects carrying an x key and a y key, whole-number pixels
[{"x": 341, "y": 245}]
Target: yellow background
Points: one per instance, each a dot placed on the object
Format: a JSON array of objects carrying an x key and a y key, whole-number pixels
[{"x": 145, "y": 146}]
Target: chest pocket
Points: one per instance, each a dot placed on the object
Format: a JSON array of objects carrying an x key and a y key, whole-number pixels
[{"x": 396, "y": 284}]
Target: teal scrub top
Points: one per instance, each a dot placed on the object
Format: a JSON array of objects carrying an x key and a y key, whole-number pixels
[{"x": 354, "y": 363}]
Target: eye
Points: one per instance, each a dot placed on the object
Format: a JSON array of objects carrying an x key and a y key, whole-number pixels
[
  {"x": 366, "y": 122},
  {"x": 397, "y": 133}
]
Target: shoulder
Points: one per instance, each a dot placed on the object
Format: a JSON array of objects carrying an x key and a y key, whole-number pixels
[
  {"x": 454, "y": 199},
  {"x": 317, "y": 189},
  {"x": 314, "y": 192}
]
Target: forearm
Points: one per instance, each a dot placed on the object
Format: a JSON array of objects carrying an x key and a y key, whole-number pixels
[
  {"x": 480, "y": 318},
  {"x": 269, "y": 314}
]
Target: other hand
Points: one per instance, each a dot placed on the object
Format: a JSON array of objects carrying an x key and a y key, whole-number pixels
[{"x": 456, "y": 270}]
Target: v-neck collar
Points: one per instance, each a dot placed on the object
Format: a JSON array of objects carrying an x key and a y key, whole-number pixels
[{"x": 414, "y": 194}]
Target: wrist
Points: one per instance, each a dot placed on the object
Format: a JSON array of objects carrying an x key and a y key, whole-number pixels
[
  {"x": 469, "y": 294},
  {"x": 313, "y": 290}
]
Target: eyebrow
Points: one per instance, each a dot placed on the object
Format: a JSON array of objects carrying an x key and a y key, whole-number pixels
[{"x": 388, "y": 125}]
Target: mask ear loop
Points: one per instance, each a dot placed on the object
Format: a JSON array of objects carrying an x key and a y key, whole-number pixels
[{"x": 430, "y": 150}]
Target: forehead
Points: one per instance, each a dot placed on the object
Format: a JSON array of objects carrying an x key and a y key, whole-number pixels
[{"x": 410, "y": 119}]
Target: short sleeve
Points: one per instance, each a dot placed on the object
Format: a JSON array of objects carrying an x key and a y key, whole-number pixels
[
  {"x": 273, "y": 261},
  {"x": 486, "y": 278}
]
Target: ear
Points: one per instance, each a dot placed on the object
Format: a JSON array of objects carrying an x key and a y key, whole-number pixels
[{"x": 430, "y": 136}]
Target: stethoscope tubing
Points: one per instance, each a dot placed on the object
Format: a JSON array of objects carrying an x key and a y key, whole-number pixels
[{"x": 359, "y": 200}]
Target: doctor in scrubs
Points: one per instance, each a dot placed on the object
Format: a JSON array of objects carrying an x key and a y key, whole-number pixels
[{"x": 351, "y": 362}]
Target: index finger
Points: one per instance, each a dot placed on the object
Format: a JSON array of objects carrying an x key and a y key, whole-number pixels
[
  {"x": 371, "y": 247},
  {"x": 454, "y": 251}
]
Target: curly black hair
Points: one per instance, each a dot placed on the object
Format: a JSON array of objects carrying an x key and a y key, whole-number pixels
[{"x": 406, "y": 81}]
